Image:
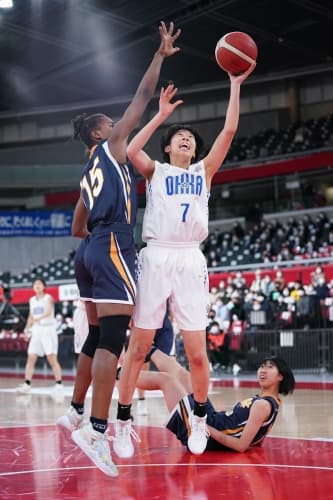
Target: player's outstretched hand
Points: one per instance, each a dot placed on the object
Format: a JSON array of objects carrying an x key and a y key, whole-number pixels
[
  {"x": 165, "y": 106},
  {"x": 167, "y": 39}
]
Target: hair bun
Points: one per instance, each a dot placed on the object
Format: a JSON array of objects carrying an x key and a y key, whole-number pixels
[{"x": 77, "y": 123}]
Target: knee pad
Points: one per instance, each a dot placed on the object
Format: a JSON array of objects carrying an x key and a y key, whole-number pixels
[
  {"x": 91, "y": 342},
  {"x": 113, "y": 333}
]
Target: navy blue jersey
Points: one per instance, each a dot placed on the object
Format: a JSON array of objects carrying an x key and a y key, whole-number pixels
[
  {"x": 233, "y": 422},
  {"x": 108, "y": 189},
  {"x": 105, "y": 262},
  {"x": 230, "y": 422}
]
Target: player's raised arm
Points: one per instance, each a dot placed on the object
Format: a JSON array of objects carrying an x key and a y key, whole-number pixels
[
  {"x": 146, "y": 87},
  {"x": 142, "y": 162},
  {"x": 220, "y": 147}
]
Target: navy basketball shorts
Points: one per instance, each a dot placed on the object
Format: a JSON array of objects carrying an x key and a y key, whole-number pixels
[
  {"x": 163, "y": 340},
  {"x": 178, "y": 421},
  {"x": 105, "y": 268}
]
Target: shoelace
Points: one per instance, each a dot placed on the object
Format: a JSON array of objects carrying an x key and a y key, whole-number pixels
[
  {"x": 200, "y": 427},
  {"x": 125, "y": 430},
  {"x": 134, "y": 435}
]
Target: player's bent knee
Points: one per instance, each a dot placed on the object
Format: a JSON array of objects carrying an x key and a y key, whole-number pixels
[
  {"x": 140, "y": 352},
  {"x": 113, "y": 333},
  {"x": 91, "y": 342}
]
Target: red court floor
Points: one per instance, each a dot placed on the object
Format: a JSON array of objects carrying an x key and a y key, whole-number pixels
[{"x": 39, "y": 461}]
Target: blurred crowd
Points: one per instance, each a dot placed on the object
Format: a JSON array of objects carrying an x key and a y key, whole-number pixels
[
  {"x": 238, "y": 311},
  {"x": 272, "y": 241}
]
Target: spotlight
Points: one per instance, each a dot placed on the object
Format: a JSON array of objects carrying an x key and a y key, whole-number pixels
[{"x": 6, "y": 4}]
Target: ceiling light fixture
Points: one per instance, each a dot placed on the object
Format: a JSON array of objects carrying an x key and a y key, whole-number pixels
[{"x": 6, "y": 4}]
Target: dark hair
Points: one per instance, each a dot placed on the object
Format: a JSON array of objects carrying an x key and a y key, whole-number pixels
[
  {"x": 171, "y": 131},
  {"x": 83, "y": 125},
  {"x": 287, "y": 384},
  {"x": 38, "y": 278}
]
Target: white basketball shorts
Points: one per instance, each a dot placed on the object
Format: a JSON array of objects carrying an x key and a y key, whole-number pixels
[
  {"x": 44, "y": 340},
  {"x": 177, "y": 272}
]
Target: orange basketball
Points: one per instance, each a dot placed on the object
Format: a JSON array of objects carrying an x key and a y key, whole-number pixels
[{"x": 235, "y": 52}]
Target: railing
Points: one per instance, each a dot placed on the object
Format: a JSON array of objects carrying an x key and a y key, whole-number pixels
[{"x": 305, "y": 351}]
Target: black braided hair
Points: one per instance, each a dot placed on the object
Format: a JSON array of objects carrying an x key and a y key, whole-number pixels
[{"x": 83, "y": 126}]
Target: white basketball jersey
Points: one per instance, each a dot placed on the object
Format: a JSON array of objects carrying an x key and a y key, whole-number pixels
[
  {"x": 38, "y": 306},
  {"x": 176, "y": 204}
]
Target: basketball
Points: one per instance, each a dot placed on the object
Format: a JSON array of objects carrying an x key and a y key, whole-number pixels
[{"x": 235, "y": 52}]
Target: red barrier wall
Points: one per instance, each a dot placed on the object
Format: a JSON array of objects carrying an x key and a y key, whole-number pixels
[
  {"x": 22, "y": 295},
  {"x": 297, "y": 272},
  {"x": 303, "y": 273}
]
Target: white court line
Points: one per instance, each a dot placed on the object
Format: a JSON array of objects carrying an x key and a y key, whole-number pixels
[
  {"x": 68, "y": 390},
  {"x": 325, "y": 439},
  {"x": 162, "y": 426},
  {"x": 132, "y": 466}
]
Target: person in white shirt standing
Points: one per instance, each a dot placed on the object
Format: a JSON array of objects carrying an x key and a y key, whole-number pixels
[
  {"x": 44, "y": 339},
  {"x": 172, "y": 266}
]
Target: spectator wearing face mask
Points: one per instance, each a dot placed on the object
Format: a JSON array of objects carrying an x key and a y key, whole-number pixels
[
  {"x": 322, "y": 292},
  {"x": 222, "y": 313},
  {"x": 216, "y": 347},
  {"x": 321, "y": 288},
  {"x": 277, "y": 290},
  {"x": 236, "y": 306}
]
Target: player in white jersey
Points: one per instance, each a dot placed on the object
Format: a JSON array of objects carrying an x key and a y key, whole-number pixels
[
  {"x": 44, "y": 338},
  {"x": 172, "y": 267}
]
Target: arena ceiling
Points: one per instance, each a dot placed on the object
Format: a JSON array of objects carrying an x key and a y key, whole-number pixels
[{"x": 54, "y": 53}]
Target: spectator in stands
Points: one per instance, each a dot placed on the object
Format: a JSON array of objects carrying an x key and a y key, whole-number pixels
[
  {"x": 43, "y": 338},
  {"x": 222, "y": 315},
  {"x": 256, "y": 284},
  {"x": 236, "y": 306},
  {"x": 67, "y": 309},
  {"x": 295, "y": 289},
  {"x": 235, "y": 339},
  {"x": 322, "y": 292},
  {"x": 267, "y": 285},
  {"x": 307, "y": 309},
  {"x": 239, "y": 282},
  {"x": 317, "y": 274},
  {"x": 271, "y": 241},
  {"x": 216, "y": 346}
]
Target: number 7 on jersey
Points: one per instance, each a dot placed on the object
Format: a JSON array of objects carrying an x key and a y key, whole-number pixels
[{"x": 186, "y": 207}]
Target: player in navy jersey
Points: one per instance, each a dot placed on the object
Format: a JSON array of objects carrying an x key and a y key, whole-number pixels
[
  {"x": 175, "y": 223},
  {"x": 105, "y": 217},
  {"x": 245, "y": 425}
]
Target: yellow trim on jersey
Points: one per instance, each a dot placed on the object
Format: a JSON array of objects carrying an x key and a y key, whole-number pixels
[
  {"x": 128, "y": 190},
  {"x": 231, "y": 432},
  {"x": 91, "y": 150},
  {"x": 185, "y": 416},
  {"x": 115, "y": 257}
]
